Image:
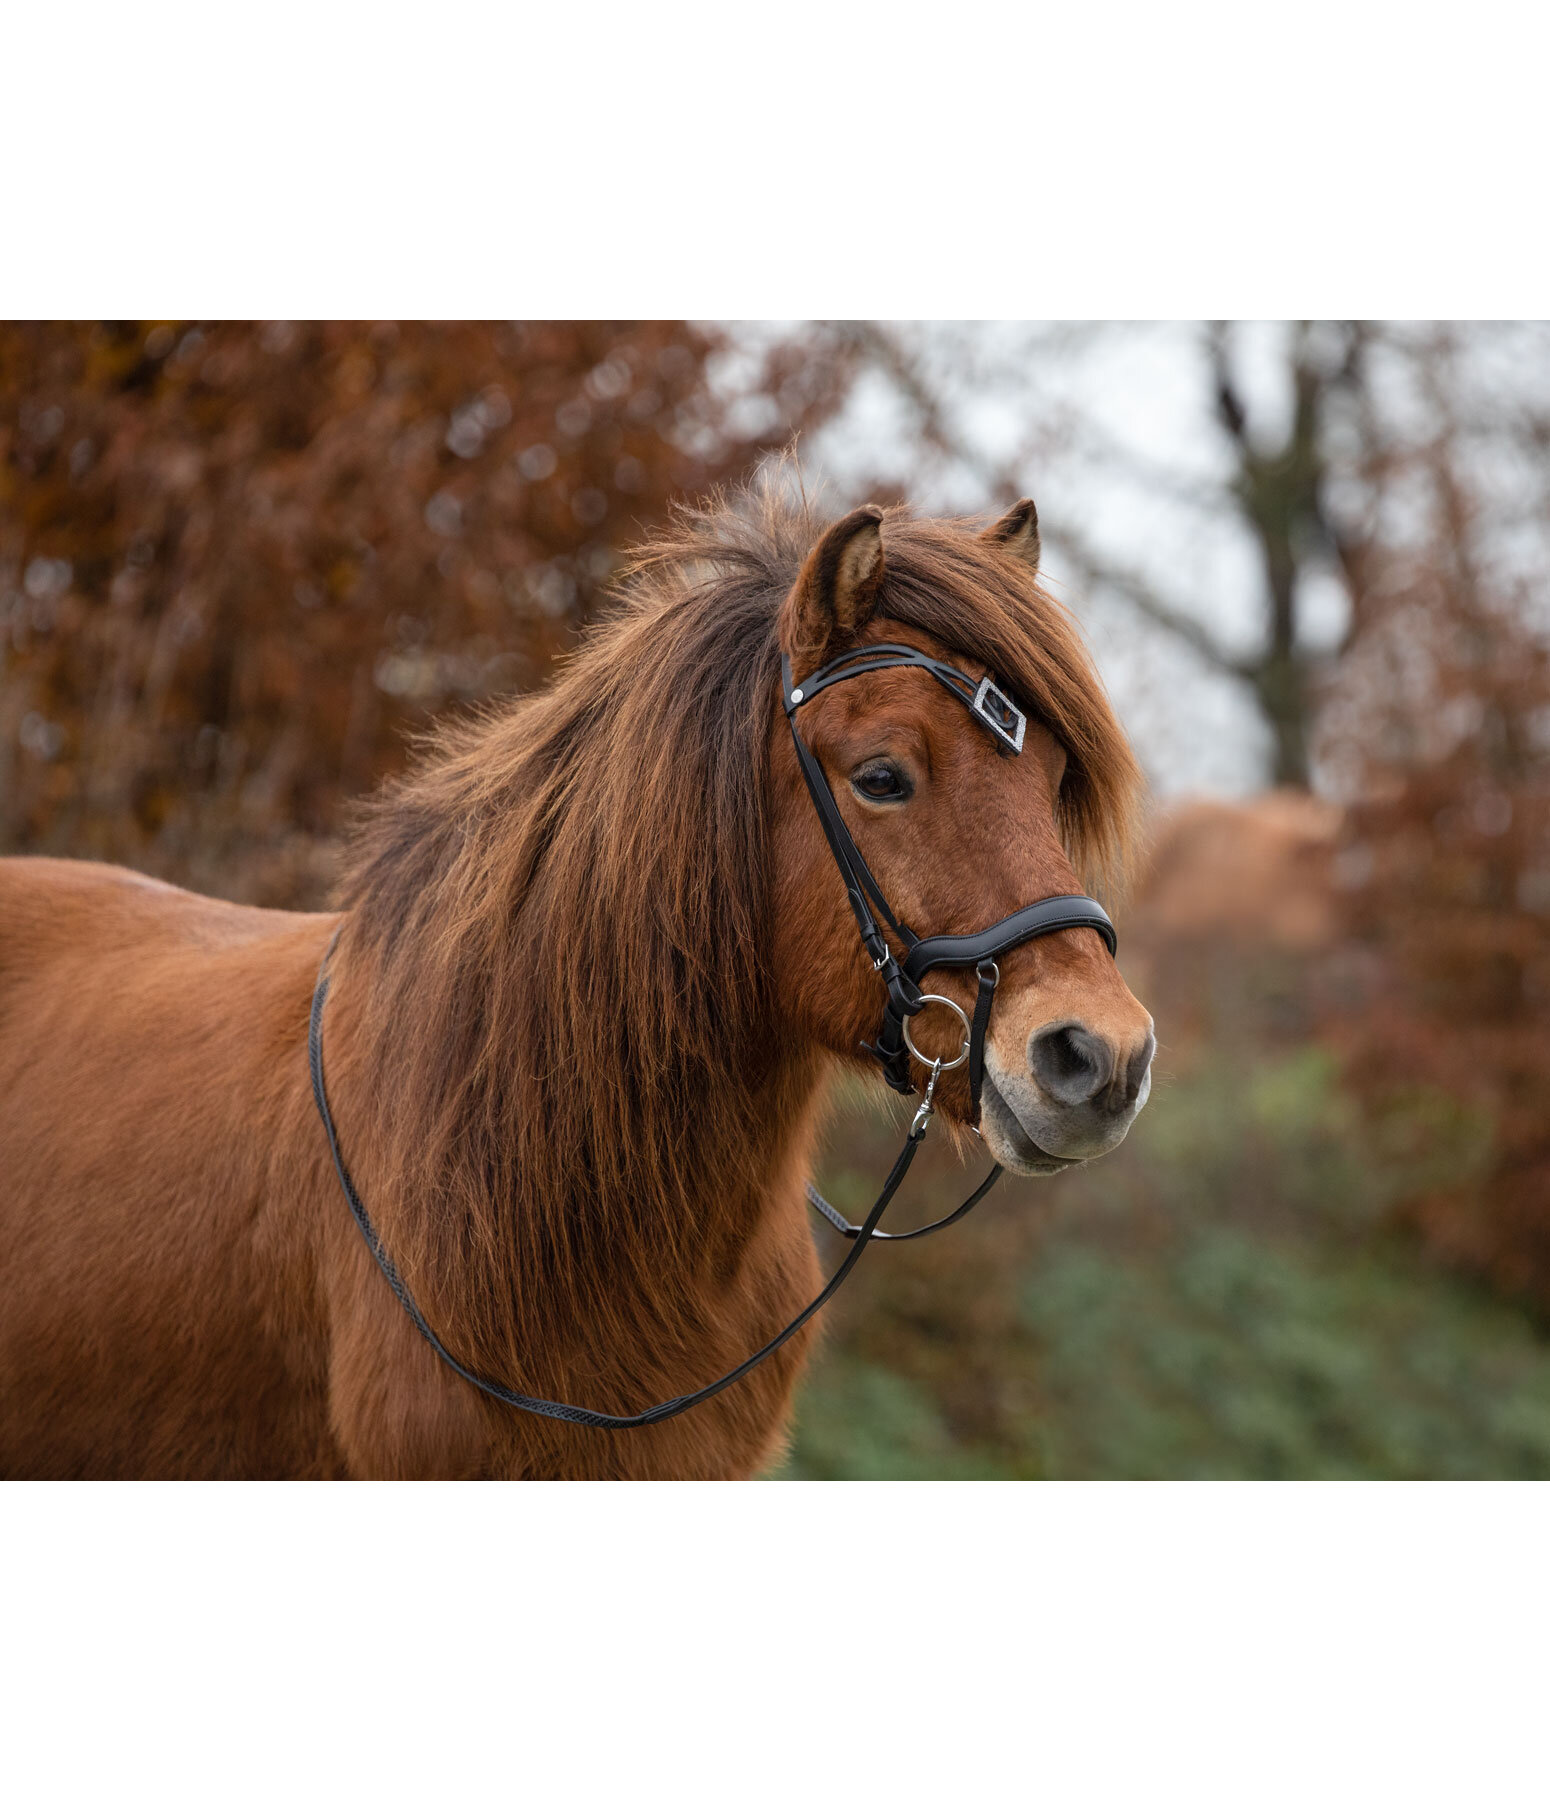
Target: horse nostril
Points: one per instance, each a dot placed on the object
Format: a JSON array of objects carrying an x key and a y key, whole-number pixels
[
  {"x": 1070, "y": 1064},
  {"x": 1136, "y": 1068}
]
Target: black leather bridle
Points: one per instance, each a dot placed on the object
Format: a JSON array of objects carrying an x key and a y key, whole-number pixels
[
  {"x": 978, "y": 950},
  {"x": 894, "y": 1047}
]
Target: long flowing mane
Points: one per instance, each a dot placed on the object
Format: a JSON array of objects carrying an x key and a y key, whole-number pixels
[{"x": 558, "y": 921}]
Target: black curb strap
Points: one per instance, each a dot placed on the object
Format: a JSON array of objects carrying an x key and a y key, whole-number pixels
[{"x": 904, "y": 999}]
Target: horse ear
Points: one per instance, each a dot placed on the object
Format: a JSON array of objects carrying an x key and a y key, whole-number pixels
[
  {"x": 836, "y": 593},
  {"x": 1018, "y": 532}
]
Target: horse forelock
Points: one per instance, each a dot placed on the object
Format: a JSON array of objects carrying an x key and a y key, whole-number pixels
[{"x": 983, "y": 603}]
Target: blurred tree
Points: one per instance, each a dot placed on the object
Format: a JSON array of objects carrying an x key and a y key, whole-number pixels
[
  {"x": 238, "y": 562},
  {"x": 1311, "y": 466},
  {"x": 1441, "y": 719},
  {"x": 1276, "y": 485},
  {"x": 1280, "y": 488}
]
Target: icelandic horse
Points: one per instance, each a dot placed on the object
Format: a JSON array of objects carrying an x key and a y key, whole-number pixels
[{"x": 594, "y": 973}]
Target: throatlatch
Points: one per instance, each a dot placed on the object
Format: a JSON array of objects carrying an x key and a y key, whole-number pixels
[{"x": 894, "y": 1047}]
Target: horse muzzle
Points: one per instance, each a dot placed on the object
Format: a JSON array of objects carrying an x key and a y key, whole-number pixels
[{"x": 1076, "y": 1099}]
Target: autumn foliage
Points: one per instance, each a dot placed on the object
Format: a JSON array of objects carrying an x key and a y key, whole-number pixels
[
  {"x": 1445, "y": 876},
  {"x": 240, "y": 564}
]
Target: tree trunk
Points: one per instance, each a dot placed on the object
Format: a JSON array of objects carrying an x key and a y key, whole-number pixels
[{"x": 1281, "y": 684}]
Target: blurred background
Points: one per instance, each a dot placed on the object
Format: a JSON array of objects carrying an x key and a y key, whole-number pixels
[{"x": 240, "y": 564}]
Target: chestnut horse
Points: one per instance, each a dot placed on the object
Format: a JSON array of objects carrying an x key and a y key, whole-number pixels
[{"x": 594, "y": 971}]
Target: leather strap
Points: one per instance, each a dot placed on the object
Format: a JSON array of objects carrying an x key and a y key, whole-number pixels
[
  {"x": 1062, "y": 912},
  {"x": 867, "y": 659},
  {"x": 853, "y": 865},
  {"x": 844, "y": 1227},
  {"x": 990, "y": 977}
]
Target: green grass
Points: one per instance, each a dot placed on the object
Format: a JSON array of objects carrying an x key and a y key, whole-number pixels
[{"x": 1228, "y": 1295}]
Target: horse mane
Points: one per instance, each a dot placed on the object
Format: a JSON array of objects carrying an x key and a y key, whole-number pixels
[{"x": 559, "y": 919}]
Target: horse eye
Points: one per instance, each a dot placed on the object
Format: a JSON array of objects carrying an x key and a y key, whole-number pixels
[{"x": 882, "y": 781}]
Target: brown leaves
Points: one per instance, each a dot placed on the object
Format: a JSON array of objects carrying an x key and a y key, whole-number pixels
[
  {"x": 1448, "y": 880},
  {"x": 238, "y": 563}
]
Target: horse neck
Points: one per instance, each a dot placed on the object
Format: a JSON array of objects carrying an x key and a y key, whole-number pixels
[{"x": 523, "y": 1211}]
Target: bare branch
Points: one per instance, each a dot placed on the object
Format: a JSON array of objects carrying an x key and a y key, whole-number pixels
[
  {"x": 1080, "y": 437},
  {"x": 1229, "y": 404},
  {"x": 883, "y": 349},
  {"x": 1139, "y": 593}
]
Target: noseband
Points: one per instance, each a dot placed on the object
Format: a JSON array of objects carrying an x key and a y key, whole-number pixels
[{"x": 894, "y": 1047}]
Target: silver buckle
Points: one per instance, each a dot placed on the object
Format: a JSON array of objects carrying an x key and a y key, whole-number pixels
[
  {"x": 1004, "y": 719},
  {"x": 928, "y": 1105}
]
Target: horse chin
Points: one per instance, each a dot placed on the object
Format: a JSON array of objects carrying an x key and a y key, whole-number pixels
[{"x": 1004, "y": 1136}]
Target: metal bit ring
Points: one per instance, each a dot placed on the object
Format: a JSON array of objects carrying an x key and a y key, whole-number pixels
[{"x": 963, "y": 1020}]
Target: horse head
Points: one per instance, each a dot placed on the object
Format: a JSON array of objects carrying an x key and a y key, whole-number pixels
[{"x": 960, "y": 826}]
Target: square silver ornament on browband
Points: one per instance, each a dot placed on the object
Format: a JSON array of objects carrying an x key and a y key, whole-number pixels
[{"x": 1004, "y": 719}]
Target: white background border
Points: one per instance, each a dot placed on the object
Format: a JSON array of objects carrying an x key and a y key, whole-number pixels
[{"x": 707, "y": 161}]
